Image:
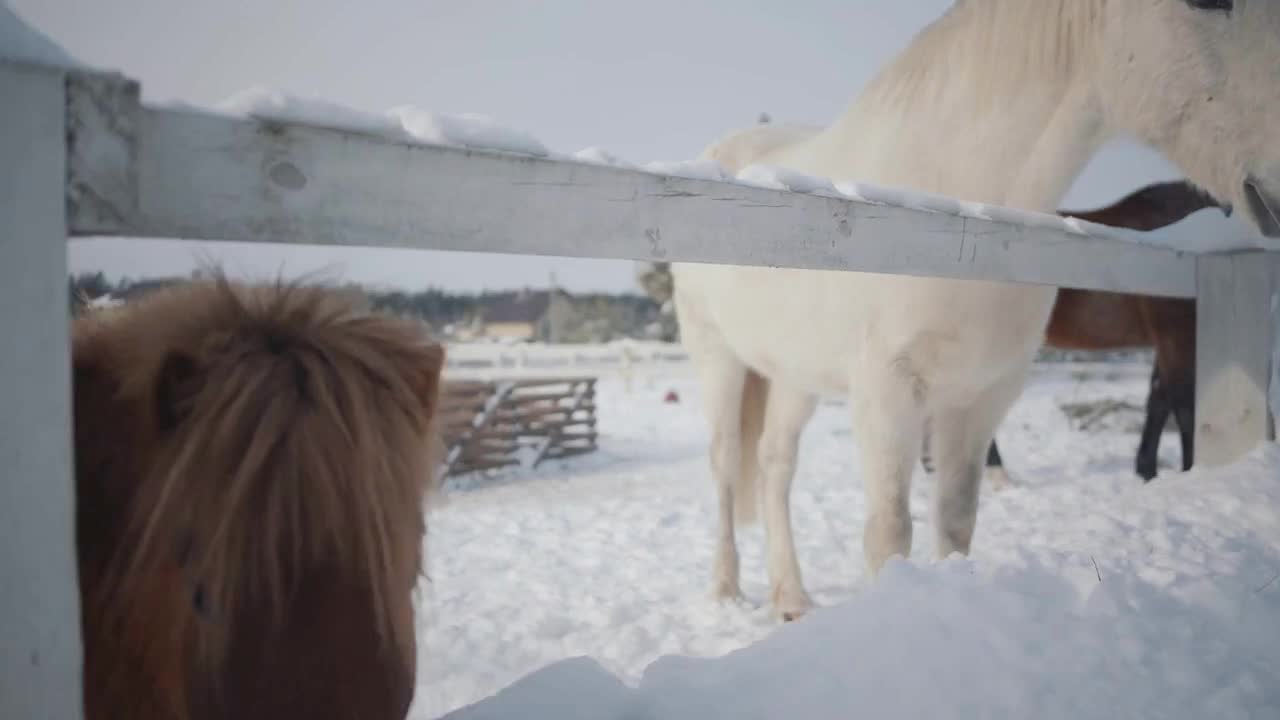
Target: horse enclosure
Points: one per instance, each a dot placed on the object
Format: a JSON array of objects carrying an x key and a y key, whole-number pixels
[{"x": 81, "y": 156}]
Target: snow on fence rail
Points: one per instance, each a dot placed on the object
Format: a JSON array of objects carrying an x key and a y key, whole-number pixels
[{"x": 80, "y": 155}]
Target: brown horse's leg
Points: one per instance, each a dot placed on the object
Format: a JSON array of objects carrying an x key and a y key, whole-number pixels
[
  {"x": 1171, "y": 323},
  {"x": 1157, "y": 416},
  {"x": 1182, "y": 398},
  {"x": 993, "y": 455}
]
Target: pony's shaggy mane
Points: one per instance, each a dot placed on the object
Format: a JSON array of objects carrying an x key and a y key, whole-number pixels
[{"x": 285, "y": 429}]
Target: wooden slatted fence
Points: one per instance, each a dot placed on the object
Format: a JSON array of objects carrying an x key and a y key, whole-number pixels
[{"x": 501, "y": 423}]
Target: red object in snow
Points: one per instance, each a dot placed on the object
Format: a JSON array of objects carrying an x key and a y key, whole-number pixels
[{"x": 671, "y": 397}]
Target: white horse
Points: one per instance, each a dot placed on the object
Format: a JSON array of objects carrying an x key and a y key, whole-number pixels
[{"x": 997, "y": 101}]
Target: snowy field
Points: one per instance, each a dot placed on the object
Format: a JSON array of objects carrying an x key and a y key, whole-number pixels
[{"x": 1088, "y": 595}]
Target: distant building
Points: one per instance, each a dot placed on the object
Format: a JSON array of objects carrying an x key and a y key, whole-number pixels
[
  {"x": 532, "y": 315},
  {"x": 104, "y": 301}
]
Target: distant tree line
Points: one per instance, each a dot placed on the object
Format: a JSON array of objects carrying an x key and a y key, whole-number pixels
[{"x": 597, "y": 317}]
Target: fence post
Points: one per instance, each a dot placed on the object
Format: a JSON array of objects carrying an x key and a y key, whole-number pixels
[
  {"x": 40, "y": 647},
  {"x": 1235, "y": 337}
]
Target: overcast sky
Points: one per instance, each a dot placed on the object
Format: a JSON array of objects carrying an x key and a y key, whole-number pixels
[{"x": 650, "y": 80}]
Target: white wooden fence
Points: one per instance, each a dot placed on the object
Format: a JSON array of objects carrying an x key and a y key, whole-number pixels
[{"x": 80, "y": 155}]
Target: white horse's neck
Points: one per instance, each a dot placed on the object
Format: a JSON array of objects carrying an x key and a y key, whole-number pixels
[{"x": 1015, "y": 75}]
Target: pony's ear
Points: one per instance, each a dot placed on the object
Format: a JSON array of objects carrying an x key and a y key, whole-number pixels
[{"x": 176, "y": 386}]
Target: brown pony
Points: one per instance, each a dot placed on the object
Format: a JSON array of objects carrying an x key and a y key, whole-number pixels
[
  {"x": 252, "y": 466},
  {"x": 1097, "y": 320}
]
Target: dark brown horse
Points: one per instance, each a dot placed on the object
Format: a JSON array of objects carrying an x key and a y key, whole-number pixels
[
  {"x": 1097, "y": 320},
  {"x": 252, "y": 465}
]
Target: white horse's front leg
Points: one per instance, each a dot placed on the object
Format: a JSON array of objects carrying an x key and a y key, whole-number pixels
[
  {"x": 722, "y": 397},
  {"x": 963, "y": 437},
  {"x": 785, "y": 418},
  {"x": 888, "y": 421}
]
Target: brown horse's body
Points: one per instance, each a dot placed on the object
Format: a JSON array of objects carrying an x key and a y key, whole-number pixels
[
  {"x": 251, "y": 471},
  {"x": 1097, "y": 320}
]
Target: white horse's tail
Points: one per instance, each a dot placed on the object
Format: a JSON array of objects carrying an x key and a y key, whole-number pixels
[{"x": 746, "y": 495}]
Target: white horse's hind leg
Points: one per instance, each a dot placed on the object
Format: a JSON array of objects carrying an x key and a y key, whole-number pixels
[
  {"x": 888, "y": 422},
  {"x": 786, "y": 415},
  {"x": 961, "y": 439}
]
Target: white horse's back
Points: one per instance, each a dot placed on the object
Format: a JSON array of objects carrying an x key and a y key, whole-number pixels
[{"x": 741, "y": 148}]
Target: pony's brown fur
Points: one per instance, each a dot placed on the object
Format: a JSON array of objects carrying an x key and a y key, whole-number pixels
[{"x": 252, "y": 464}]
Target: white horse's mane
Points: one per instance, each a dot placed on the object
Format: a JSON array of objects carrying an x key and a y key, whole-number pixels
[{"x": 1012, "y": 45}]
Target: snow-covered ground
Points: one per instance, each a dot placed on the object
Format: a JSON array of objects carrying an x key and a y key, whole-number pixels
[{"x": 1088, "y": 594}]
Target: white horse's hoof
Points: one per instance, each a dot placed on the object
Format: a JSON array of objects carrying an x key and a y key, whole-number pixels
[{"x": 789, "y": 607}]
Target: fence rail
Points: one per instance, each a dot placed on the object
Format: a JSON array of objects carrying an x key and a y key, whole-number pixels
[
  {"x": 80, "y": 155},
  {"x": 131, "y": 174}
]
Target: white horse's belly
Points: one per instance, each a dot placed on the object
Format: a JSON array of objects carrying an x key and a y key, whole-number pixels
[
  {"x": 815, "y": 330},
  {"x": 780, "y": 322}
]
